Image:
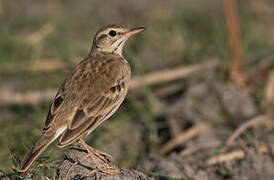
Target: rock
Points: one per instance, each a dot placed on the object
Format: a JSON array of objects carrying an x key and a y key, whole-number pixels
[{"x": 71, "y": 169}]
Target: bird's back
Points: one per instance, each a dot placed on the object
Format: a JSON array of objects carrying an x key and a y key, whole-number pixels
[{"x": 91, "y": 94}]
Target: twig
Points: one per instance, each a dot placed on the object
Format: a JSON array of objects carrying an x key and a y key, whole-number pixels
[
  {"x": 168, "y": 90},
  {"x": 34, "y": 97},
  {"x": 45, "y": 65},
  {"x": 261, "y": 72},
  {"x": 48, "y": 65},
  {"x": 269, "y": 89},
  {"x": 200, "y": 147},
  {"x": 164, "y": 76},
  {"x": 238, "y": 154},
  {"x": 261, "y": 119},
  {"x": 231, "y": 16},
  {"x": 183, "y": 137}
]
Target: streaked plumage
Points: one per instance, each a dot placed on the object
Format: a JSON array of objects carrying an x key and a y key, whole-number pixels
[{"x": 91, "y": 93}]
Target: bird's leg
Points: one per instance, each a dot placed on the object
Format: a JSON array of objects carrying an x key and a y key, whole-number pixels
[
  {"x": 92, "y": 152},
  {"x": 102, "y": 155}
]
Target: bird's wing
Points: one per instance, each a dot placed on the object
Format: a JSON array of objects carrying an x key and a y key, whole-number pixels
[
  {"x": 98, "y": 91},
  {"x": 54, "y": 109},
  {"x": 98, "y": 109}
]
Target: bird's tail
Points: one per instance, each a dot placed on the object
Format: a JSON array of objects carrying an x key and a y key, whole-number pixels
[{"x": 37, "y": 149}]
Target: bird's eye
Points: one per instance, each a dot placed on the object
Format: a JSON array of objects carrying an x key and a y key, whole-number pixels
[{"x": 112, "y": 33}]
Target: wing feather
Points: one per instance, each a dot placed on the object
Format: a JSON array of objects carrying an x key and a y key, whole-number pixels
[
  {"x": 85, "y": 121},
  {"x": 71, "y": 134},
  {"x": 53, "y": 110},
  {"x": 88, "y": 97}
]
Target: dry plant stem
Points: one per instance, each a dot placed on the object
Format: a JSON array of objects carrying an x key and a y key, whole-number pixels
[
  {"x": 269, "y": 89},
  {"x": 7, "y": 96},
  {"x": 259, "y": 120},
  {"x": 183, "y": 137},
  {"x": 168, "y": 90},
  {"x": 231, "y": 16},
  {"x": 200, "y": 147},
  {"x": 239, "y": 154},
  {"x": 48, "y": 65},
  {"x": 164, "y": 76},
  {"x": 45, "y": 65},
  {"x": 258, "y": 75}
]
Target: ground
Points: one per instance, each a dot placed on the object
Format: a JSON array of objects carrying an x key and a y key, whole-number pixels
[{"x": 181, "y": 128}]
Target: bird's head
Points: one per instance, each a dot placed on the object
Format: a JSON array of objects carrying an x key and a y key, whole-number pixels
[{"x": 111, "y": 38}]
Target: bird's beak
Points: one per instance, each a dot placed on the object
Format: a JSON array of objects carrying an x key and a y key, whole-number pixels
[{"x": 135, "y": 31}]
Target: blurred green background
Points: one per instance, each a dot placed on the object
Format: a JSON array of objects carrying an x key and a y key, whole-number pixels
[{"x": 37, "y": 36}]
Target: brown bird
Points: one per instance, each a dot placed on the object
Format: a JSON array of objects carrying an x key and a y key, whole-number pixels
[{"x": 90, "y": 95}]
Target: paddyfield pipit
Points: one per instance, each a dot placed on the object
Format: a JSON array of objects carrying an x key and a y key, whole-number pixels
[{"x": 90, "y": 94}]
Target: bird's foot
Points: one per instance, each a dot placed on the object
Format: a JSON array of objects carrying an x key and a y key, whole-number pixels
[
  {"x": 107, "y": 170},
  {"x": 102, "y": 155},
  {"x": 103, "y": 167}
]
